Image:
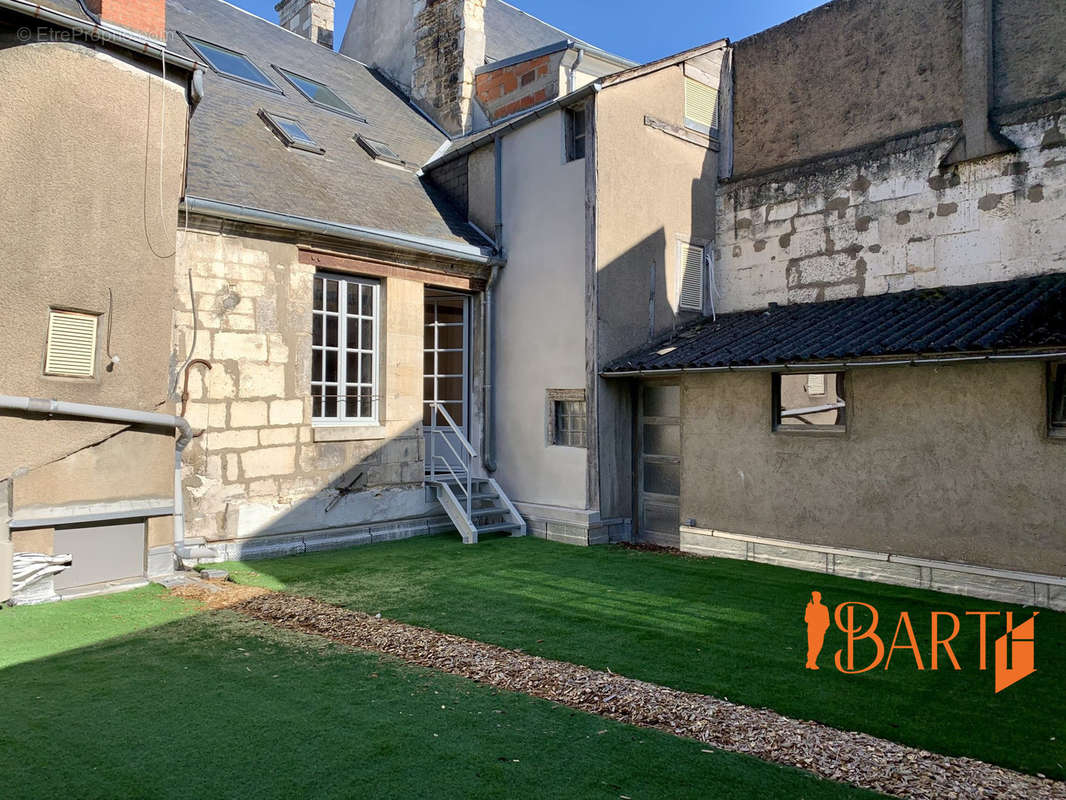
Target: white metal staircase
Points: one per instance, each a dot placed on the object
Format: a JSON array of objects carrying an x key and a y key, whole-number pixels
[{"x": 475, "y": 505}]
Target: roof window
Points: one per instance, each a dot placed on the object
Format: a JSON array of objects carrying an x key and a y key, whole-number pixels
[
  {"x": 320, "y": 94},
  {"x": 230, "y": 63},
  {"x": 379, "y": 150},
  {"x": 290, "y": 132}
]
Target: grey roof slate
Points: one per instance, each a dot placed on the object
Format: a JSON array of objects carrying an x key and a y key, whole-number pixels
[
  {"x": 234, "y": 158},
  {"x": 1028, "y": 314},
  {"x": 510, "y": 31}
]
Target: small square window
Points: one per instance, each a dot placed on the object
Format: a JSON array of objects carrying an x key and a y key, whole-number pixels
[
  {"x": 1057, "y": 399},
  {"x": 71, "y": 349},
  {"x": 290, "y": 132},
  {"x": 320, "y": 94},
  {"x": 800, "y": 408},
  {"x": 230, "y": 63},
  {"x": 567, "y": 418},
  {"x": 575, "y": 121},
  {"x": 379, "y": 151}
]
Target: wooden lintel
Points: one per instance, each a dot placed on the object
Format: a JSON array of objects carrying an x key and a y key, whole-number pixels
[{"x": 383, "y": 269}]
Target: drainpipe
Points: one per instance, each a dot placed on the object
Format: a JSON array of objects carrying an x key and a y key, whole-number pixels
[
  {"x": 573, "y": 69},
  {"x": 34, "y": 405},
  {"x": 488, "y": 318}
]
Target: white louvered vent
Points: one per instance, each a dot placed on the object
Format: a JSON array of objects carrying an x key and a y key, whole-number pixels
[
  {"x": 816, "y": 383},
  {"x": 690, "y": 276},
  {"x": 701, "y": 106},
  {"x": 71, "y": 344}
]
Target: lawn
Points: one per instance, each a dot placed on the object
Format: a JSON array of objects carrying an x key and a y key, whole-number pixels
[
  {"x": 137, "y": 695},
  {"x": 728, "y": 628}
]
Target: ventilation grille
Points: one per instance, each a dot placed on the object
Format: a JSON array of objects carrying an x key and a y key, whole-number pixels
[
  {"x": 71, "y": 344},
  {"x": 690, "y": 267},
  {"x": 701, "y": 106}
]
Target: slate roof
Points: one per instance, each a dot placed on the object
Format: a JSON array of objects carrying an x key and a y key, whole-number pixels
[
  {"x": 234, "y": 158},
  {"x": 1027, "y": 314},
  {"x": 510, "y": 31}
]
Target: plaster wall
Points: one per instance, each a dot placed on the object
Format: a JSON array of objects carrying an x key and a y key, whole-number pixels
[
  {"x": 950, "y": 463},
  {"x": 82, "y": 189},
  {"x": 481, "y": 177},
  {"x": 653, "y": 190},
  {"x": 381, "y": 33},
  {"x": 261, "y": 468},
  {"x": 540, "y": 328},
  {"x": 890, "y": 219}
]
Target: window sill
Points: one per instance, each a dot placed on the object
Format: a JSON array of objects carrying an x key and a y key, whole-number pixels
[
  {"x": 347, "y": 433},
  {"x": 1057, "y": 434},
  {"x": 812, "y": 430}
]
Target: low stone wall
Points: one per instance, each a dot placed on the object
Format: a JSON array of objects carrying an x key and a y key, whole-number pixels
[{"x": 1008, "y": 586}]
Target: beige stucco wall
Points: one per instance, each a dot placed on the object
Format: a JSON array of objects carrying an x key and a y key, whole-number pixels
[
  {"x": 80, "y": 202},
  {"x": 540, "y": 325},
  {"x": 950, "y": 463},
  {"x": 652, "y": 189},
  {"x": 260, "y": 467}
]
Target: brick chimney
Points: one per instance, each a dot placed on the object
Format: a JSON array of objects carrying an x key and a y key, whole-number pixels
[
  {"x": 312, "y": 19},
  {"x": 429, "y": 48},
  {"x": 143, "y": 17}
]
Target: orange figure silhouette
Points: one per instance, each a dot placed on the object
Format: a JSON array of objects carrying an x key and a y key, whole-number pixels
[{"x": 817, "y": 618}]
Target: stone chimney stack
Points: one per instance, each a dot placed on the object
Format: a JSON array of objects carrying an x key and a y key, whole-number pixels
[
  {"x": 143, "y": 17},
  {"x": 312, "y": 19},
  {"x": 429, "y": 48}
]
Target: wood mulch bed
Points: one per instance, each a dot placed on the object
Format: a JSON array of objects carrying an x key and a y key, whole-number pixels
[{"x": 855, "y": 758}]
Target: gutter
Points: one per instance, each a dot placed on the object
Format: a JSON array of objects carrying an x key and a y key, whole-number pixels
[
  {"x": 834, "y": 365},
  {"x": 524, "y": 119},
  {"x": 34, "y": 405},
  {"x": 98, "y": 32},
  {"x": 488, "y": 320},
  {"x": 350, "y": 233},
  {"x": 573, "y": 69}
]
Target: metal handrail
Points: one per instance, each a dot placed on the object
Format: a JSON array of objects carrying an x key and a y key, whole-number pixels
[{"x": 467, "y": 462}]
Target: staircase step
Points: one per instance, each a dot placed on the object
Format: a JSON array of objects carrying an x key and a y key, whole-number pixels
[
  {"x": 503, "y": 526},
  {"x": 484, "y": 512}
]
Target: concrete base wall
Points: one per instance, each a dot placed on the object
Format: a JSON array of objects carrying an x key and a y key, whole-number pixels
[
  {"x": 572, "y": 526},
  {"x": 1008, "y": 586}
]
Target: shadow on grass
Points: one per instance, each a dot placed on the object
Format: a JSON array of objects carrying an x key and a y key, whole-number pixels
[
  {"x": 215, "y": 704},
  {"x": 714, "y": 626}
]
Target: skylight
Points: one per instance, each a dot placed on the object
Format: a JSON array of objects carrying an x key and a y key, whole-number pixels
[
  {"x": 230, "y": 63},
  {"x": 320, "y": 94},
  {"x": 290, "y": 132},
  {"x": 378, "y": 150}
]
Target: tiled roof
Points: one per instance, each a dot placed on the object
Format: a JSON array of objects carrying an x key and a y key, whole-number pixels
[
  {"x": 234, "y": 158},
  {"x": 1027, "y": 314}
]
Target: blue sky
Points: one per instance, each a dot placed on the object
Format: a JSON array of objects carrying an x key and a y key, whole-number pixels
[{"x": 637, "y": 29}]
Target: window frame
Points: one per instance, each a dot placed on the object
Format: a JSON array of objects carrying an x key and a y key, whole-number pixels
[
  {"x": 367, "y": 144},
  {"x": 571, "y": 135},
  {"x": 682, "y": 243},
  {"x": 374, "y": 419},
  {"x": 347, "y": 111},
  {"x": 194, "y": 43},
  {"x": 837, "y": 429},
  {"x": 1056, "y": 389},
  {"x": 271, "y": 120},
  {"x": 554, "y": 397}
]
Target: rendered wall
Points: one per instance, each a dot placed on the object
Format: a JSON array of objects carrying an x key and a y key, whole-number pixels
[
  {"x": 950, "y": 463},
  {"x": 80, "y": 204},
  {"x": 261, "y": 468},
  {"x": 540, "y": 328}
]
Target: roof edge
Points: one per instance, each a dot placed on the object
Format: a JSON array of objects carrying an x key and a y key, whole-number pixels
[{"x": 353, "y": 233}]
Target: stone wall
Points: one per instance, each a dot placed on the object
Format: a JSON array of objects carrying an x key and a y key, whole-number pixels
[
  {"x": 260, "y": 467},
  {"x": 890, "y": 219},
  {"x": 449, "y": 45}
]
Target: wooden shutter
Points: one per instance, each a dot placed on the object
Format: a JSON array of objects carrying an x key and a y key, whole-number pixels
[
  {"x": 690, "y": 271},
  {"x": 701, "y": 106},
  {"x": 71, "y": 344}
]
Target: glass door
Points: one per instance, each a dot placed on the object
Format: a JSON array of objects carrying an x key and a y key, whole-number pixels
[
  {"x": 446, "y": 371},
  {"x": 659, "y": 466}
]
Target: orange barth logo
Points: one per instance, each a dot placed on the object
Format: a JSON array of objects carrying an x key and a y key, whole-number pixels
[{"x": 1014, "y": 652}]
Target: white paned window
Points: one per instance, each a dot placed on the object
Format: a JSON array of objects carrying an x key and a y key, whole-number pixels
[
  {"x": 344, "y": 345},
  {"x": 701, "y": 107},
  {"x": 71, "y": 344},
  {"x": 690, "y": 276}
]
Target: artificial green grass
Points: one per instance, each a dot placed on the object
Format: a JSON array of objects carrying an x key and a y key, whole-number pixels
[
  {"x": 218, "y": 705},
  {"x": 715, "y": 626}
]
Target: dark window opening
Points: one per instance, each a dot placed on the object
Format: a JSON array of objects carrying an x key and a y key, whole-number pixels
[
  {"x": 575, "y": 133},
  {"x": 567, "y": 418},
  {"x": 813, "y": 401},
  {"x": 1057, "y": 399}
]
